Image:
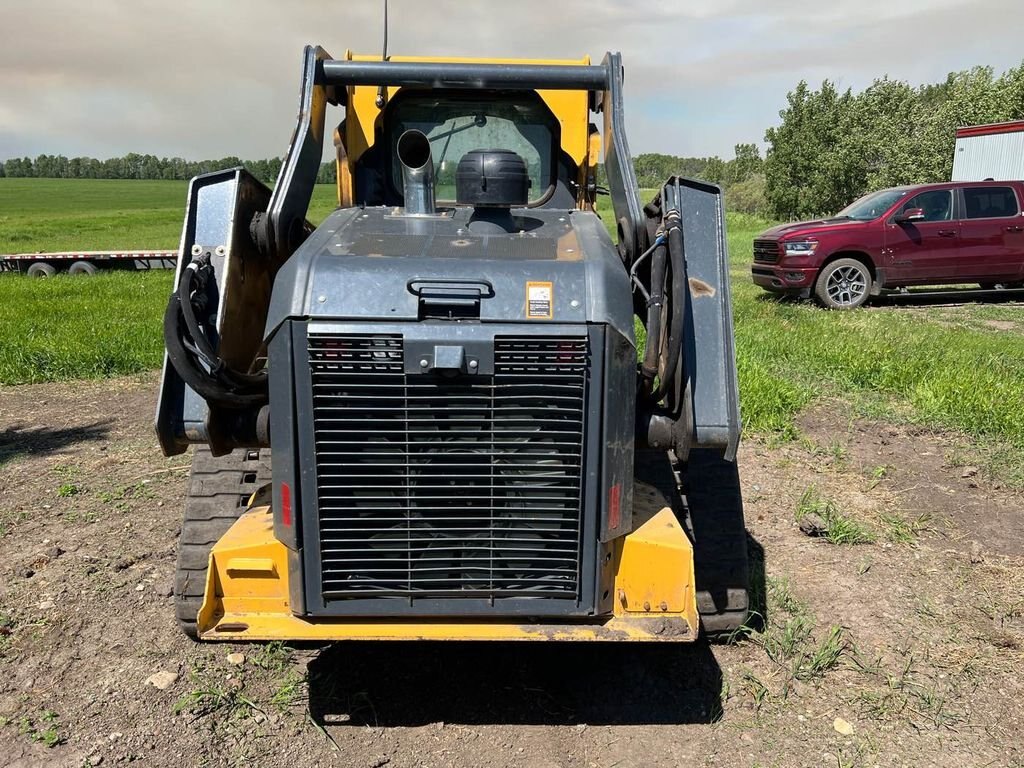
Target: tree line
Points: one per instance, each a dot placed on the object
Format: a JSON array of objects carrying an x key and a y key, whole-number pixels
[
  {"x": 136, "y": 166},
  {"x": 742, "y": 176},
  {"x": 833, "y": 146},
  {"x": 651, "y": 169}
]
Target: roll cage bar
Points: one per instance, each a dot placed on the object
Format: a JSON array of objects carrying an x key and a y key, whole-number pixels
[{"x": 280, "y": 230}]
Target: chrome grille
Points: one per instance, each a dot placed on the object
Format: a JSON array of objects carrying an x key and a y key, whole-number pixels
[
  {"x": 766, "y": 251},
  {"x": 435, "y": 487}
]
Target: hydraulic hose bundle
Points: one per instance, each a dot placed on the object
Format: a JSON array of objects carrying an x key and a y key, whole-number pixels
[
  {"x": 192, "y": 352},
  {"x": 663, "y": 312}
]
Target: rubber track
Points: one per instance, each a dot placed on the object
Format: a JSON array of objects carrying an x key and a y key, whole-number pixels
[
  {"x": 218, "y": 491},
  {"x": 705, "y": 493}
]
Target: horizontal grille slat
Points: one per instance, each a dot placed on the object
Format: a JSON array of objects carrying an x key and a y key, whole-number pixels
[
  {"x": 431, "y": 487},
  {"x": 766, "y": 251}
]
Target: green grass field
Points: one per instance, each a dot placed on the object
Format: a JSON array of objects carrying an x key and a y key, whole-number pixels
[
  {"x": 930, "y": 365},
  {"x": 95, "y": 214}
]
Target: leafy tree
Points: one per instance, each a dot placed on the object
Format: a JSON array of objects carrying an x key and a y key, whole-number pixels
[
  {"x": 748, "y": 196},
  {"x": 832, "y": 147}
]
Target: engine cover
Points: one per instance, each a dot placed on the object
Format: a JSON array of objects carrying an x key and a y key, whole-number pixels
[{"x": 452, "y": 414}]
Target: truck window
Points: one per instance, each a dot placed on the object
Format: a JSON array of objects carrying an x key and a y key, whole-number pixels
[
  {"x": 937, "y": 204},
  {"x": 990, "y": 202},
  {"x": 872, "y": 205}
]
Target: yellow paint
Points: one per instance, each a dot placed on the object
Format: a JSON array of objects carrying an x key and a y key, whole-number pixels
[
  {"x": 346, "y": 187},
  {"x": 362, "y": 116},
  {"x": 654, "y": 571},
  {"x": 593, "y": 158},
  {"x": 247, "y": 595}
]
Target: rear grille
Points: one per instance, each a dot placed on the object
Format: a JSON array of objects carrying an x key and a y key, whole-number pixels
[
  {"x": 766, "y": 251},
  {"x": 434, "y": 487}
]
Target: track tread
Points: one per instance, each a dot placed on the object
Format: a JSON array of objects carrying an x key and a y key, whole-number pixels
[
  {"x": 217, "y": 492},
  {"x": 705, "y": 492}
]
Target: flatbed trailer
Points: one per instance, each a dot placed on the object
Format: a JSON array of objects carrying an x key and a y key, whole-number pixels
[{"x": 85, "y": 262}]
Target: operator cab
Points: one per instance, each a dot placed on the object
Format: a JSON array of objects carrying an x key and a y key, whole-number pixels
[
  {"x": 549, "y": 129},
  {"x": 456, "y": 124}
]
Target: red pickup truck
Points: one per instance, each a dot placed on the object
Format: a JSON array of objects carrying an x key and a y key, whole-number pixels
[{"x": 931, "y": 234}]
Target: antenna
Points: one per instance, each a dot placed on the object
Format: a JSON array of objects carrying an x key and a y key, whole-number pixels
[{"x": 382, "y": 90}]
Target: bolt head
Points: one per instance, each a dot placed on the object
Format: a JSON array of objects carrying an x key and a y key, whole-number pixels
[
  {"x": 424, "y": 363},
  {"x": 321, "y": 298},
  {"x": 473, "y": 363},
  {"x": 647, "y": 606}
]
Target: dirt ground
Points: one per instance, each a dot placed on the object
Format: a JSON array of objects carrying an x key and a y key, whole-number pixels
[{"x": 904, "y": 651}]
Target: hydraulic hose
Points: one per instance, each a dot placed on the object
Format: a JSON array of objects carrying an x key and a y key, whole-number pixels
[
  {"x": 672, "y": 336},
  {"x": 655, "y": 306},
  {"x": 202, "y": 346},
  {"x": 189, "y": 347}
]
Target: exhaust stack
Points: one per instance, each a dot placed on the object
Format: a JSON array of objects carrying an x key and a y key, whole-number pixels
[{"x": 417, "y": 173}]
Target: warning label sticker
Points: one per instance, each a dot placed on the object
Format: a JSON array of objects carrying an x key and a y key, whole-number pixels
[{"x": 539, "y": 301}]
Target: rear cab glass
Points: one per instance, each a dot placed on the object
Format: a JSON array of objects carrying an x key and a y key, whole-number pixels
[{"x": 456, "y": 124}]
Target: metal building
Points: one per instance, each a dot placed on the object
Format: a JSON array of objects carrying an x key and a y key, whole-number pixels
[{"x": 989, "y": 152}]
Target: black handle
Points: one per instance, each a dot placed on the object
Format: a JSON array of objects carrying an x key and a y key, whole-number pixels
[
  {"x": 1015, "y": 229},
  {"x": 947, "y": 233},
  {"x": 453, "y": 288}
]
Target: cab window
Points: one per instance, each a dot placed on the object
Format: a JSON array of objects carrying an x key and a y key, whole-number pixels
[
  {"x": 457, "y": 124},
  {"x": 989, "y": 202},
  {"x": 936, "y": 204}
]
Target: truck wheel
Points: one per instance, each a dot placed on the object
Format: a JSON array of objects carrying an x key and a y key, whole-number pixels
[
  {"x": 40, "y": 269},
  {"x": 218, "y": 491},
  {"x": 843, "y": 284},
  {"x": 83, "y": 268}
]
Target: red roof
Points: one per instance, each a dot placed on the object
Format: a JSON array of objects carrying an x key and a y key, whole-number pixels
[{"x": 989, "y": 130}]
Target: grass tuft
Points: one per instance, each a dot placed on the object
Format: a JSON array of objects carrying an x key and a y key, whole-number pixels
[
  {"x": 840, "y": 529},
  {"x": 901, "y": 530}
]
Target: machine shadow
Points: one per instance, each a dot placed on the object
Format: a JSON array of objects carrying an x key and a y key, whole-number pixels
[
  {"x": 522, "y": 683},
  {"x": 757, "y": 621},
  {"x": 17, "y": 441}
]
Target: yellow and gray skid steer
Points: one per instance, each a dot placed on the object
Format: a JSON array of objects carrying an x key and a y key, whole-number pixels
[{"x": 430, "y": 417}]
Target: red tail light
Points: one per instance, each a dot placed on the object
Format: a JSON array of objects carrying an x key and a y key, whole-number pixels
[
  {"x": 286, "y": 504},
  {"x": 614, "y": 506}
]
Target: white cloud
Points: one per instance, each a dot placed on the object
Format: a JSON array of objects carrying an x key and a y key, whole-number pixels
[{"x": 210, "y": 79}]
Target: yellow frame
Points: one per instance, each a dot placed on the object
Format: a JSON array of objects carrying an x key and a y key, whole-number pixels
[
  {"x": 654, "y": 596},
  {"x": 362, "y": 118}
]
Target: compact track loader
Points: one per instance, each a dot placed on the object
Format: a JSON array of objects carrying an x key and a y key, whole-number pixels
[{"x": 457, "y": 408}]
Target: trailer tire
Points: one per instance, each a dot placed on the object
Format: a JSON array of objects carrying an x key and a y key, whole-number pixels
[
  {"x": 40, "y": 269},
  {"x": 83, "y": 268},
  {"x": 218, "y": 491}
]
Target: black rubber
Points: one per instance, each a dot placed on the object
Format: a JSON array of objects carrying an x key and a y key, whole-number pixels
[
  {"x": 40, "y": 269},
  {"x": 218, "y": 492},
  {"x": 705, "y": 494},
  {"x": 83, "y": 268}
]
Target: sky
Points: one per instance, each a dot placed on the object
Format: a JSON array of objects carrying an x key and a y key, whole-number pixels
[{"x": 216, "y": 78}]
